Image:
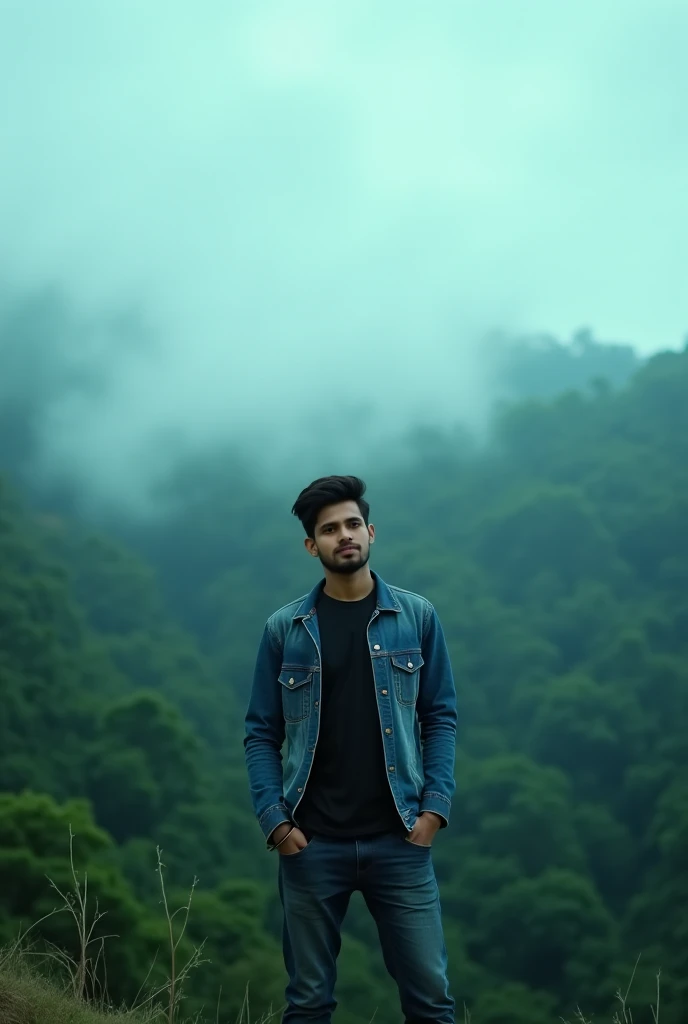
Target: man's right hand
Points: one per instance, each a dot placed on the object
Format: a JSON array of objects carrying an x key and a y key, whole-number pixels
[{"x": 293, "y": 844}]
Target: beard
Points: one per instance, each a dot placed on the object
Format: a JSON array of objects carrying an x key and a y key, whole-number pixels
[{"x": 348, "y": 567}]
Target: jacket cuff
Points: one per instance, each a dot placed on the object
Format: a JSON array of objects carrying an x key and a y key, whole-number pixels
[
  {"x": 271, "y": 818},
  {"x": 438, "y": 804}
]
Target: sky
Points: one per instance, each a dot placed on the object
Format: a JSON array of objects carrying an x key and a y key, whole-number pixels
[{"x": 319, "y": 208}]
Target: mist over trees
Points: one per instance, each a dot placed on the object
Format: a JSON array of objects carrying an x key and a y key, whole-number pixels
[
  {"x": 62, "y": 369},
  {"x": 556, "y": 554}
]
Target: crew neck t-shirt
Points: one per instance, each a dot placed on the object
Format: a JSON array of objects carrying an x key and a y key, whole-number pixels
[{"x": 348, "y": 793}]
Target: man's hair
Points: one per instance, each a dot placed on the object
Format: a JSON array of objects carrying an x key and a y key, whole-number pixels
[{"x": 329, "y": 490}]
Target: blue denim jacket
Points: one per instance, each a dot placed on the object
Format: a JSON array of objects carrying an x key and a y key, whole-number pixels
[{"x": 416, "y": 701}]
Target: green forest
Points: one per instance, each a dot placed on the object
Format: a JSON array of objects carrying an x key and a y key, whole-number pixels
[{"x": 555, "y": 549}]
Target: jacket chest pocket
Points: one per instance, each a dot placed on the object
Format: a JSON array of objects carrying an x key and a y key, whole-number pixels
[
  {"x": 406, "y": 672},
  {"x": 296, "y": 685}
]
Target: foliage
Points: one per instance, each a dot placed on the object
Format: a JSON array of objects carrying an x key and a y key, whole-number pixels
[{"x": 557, "y": 557}]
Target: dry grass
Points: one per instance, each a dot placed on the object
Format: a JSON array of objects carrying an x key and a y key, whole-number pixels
[
  {"x": 26, "y": 997},
  {"x": 80, "y": 997},
  {"x": 624, "y": 1014},
  {"x": 74, "y": 988}
]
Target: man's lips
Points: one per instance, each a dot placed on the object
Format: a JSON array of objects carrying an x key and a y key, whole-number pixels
[{"x": 347, "y": 550}]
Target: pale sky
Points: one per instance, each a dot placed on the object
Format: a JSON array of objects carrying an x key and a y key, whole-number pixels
[{"x": 331, "y": 202}]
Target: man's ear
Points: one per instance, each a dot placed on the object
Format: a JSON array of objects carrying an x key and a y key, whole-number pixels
[
  {"x": 371, "y": 533},
  {"x": 311, "y": 547}
]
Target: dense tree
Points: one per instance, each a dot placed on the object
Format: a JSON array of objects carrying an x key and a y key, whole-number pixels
[
  {"x": 144, "y": 767},
  {"x": 556, "y": 556}
]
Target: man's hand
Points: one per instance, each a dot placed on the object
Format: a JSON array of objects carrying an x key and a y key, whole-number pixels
[
  {"x": 293, "y": 844},
  {"x": 427, "y": 824}
]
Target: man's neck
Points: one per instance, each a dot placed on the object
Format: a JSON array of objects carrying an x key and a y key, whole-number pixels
[{"x": 349, "y": 588}]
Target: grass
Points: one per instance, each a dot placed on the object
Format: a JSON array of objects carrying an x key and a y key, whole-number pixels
[
  {"x": 79, "y": 996},
  {"x": 26, "y": 997},
  {"x": 29, "y": 997},
  {"x": 74, "y": 990},
  {"x": 624, "y": 1014}
]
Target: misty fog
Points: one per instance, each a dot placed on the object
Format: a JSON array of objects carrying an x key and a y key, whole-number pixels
[{"x": 296, "y": 226}]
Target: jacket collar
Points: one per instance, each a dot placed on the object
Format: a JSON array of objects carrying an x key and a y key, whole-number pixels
[{"x": 386, "y": 601}]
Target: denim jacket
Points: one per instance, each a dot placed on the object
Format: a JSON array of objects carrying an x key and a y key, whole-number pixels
[{"x": 416, "y": 701}]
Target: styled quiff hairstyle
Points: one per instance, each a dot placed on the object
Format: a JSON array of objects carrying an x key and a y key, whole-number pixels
[{"x": 329, "y": 490}]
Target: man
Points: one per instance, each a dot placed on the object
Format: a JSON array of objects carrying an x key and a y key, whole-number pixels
[{"x": 356, "y": 678}]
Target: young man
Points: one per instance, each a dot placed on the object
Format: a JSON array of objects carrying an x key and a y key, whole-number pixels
[{"x": 356, "y": 678}]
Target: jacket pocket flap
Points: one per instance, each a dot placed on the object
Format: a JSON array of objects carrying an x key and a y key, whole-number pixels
[
  {"x": 408, "y": 662},
  {"x": 291, "y": 679}
]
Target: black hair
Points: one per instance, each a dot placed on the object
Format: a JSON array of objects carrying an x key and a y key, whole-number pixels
[{"x": 329, "y": 490}]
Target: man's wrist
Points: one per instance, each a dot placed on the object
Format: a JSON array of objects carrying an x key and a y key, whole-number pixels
[
  {"x": 280, "y": 832},
  {"x": 436, "y": 819}
]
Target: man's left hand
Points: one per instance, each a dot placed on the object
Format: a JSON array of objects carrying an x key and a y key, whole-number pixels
[{"x": 423, "y": 833}]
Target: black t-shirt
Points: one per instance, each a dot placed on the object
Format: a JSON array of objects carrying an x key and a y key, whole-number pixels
[{"x": 348, "y": 793}]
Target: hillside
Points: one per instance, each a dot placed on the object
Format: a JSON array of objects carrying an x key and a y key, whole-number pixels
[{"x": 557, "y": 557}]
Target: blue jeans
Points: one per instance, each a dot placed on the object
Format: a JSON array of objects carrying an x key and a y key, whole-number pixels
[{"x": 398, "y": 883}]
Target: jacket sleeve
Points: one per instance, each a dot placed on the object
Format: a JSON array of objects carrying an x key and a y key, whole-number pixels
[
  {"x": 437, "y": 715},
  {"x": 264, "y": 737}
]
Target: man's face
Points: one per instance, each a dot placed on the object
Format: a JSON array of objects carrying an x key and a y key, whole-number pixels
[{"x": 342, "y": 539}]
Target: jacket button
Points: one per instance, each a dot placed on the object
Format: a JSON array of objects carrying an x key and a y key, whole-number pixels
[
  {"x": 317, "y": 703},
  {"x": 291, "y": 682},
  {"x": 391, "y": 767},
  {"x": 383, "y": 692},
  {"x": 300, "y": 789},
  {"x": 410, "y": 664},
  {"x": 388, "y": 732},
  {"x": 376, "y": 647}
]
